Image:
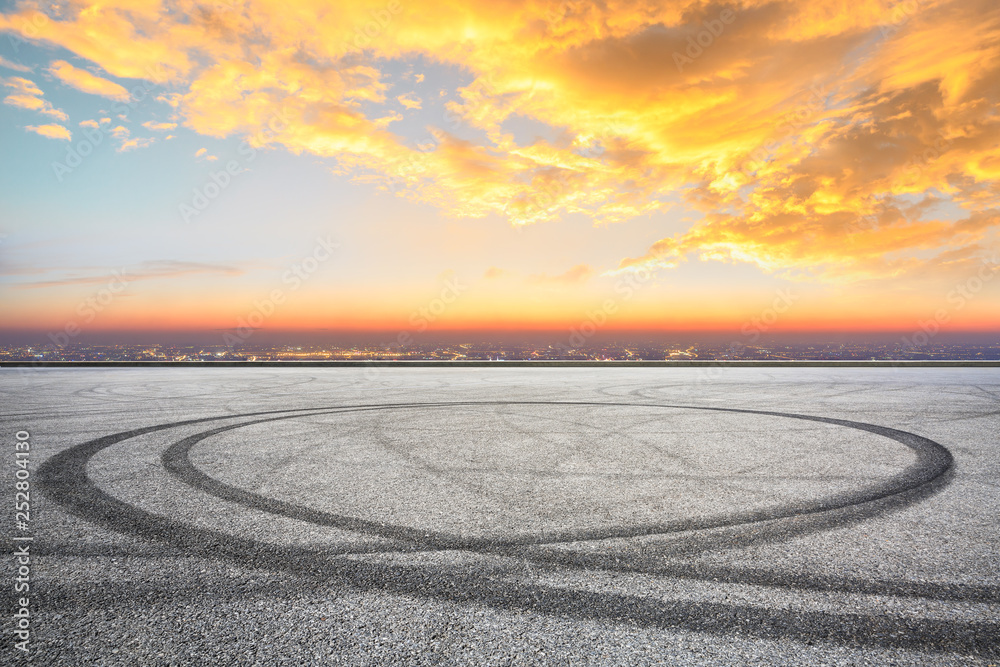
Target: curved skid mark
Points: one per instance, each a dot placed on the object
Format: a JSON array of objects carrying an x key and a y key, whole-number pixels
[
  {"x": 63, "y": 477},
  {"x": 932, "y": 461}
]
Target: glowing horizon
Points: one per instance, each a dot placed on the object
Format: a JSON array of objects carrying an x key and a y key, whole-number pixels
[{"x": 421, "y": 167}]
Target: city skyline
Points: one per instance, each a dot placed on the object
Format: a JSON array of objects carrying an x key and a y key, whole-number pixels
[
  {"x": 399, "y": 170},
  {"x": 576, "y": 347}
]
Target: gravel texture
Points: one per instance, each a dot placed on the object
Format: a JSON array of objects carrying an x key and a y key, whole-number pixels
[{"x": 691, "y": 516}]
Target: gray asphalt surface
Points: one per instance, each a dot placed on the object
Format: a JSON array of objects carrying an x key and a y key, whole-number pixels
[{"x": 693, "y": 516}]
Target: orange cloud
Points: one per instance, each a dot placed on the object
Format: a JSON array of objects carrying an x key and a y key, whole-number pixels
[
  {"x": 52, "y": 131},
  {"x": 494, "y": 272},
  {"x": 410, "y": 101},
  {"x": 27, "y": 95},
  {"x": 86, "y": 82},
  {"x": 823, "y": 140},
  {"x": 578, "y": 274},
  {"x": 125, "y": 41},
  {"x": 136, "y": 142},
  {"x": 158, "y": 127}
]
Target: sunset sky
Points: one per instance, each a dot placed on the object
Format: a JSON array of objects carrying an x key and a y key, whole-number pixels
[{"x": 501, "y": 166}]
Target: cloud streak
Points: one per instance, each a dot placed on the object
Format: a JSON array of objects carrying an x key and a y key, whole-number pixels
[
  {"x": 580, "y": 273},
  {"x": 153, "y": 269},
  {"x": 14, "y": 66},
  {"x": 87, "y": 82}
]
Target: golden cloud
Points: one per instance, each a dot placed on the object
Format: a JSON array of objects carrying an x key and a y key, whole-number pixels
[
  {"x": 52, "y": 131},
  {"x": 27, "y": 95},
  {"x": 134, "y": 143},
  {"x": 822, "y": 140},
  {"x": 410, "y": 101},
  {"x": 86, "y": 82},
  {"x": 158, "y": 127}
]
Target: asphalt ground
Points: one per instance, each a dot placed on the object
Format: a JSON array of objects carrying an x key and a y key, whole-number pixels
[{"x": 694, "y": 516}]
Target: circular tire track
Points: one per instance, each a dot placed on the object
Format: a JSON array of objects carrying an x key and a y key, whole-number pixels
[
  {"x": 933, "y": 461},
  {"x": 63, "y": 478}
]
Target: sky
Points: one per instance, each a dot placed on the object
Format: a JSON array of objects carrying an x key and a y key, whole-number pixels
[{"x": 412, "y": 166}]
